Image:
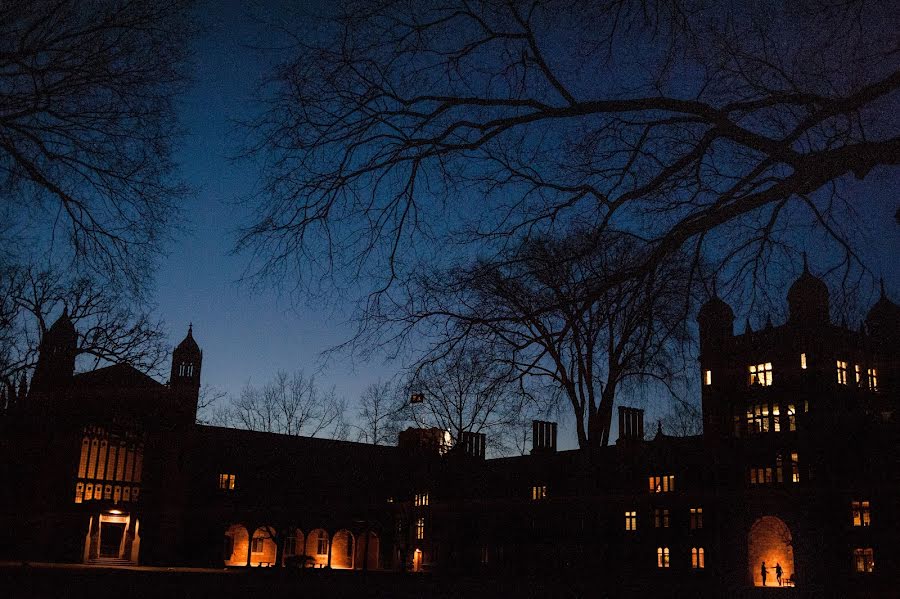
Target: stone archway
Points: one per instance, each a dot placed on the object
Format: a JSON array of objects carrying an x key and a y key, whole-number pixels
[
  {"x": 234, "y": 546},
  {"x": 342, "y": 550},
  {"x": 317, "y": 547},
  {"x": 769, "y": 542}
]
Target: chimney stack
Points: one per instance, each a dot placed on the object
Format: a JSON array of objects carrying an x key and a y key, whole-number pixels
[
  {"x": 543, "y": 436},
  {"x": 631, "y": 424}
]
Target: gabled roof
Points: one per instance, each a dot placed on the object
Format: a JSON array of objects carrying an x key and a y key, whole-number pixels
[{"x": 117, "y": 376}]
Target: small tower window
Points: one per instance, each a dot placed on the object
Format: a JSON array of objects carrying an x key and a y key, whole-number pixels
[
  {"x": 803, "y": 361},
  {"x": 707, "y": 377}
]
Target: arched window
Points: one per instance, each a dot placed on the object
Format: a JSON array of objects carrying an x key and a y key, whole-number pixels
[
  {"x": 698, "y": 561},
  {"x": 662, "y": 557},
  {"x": 322, "y": 543}
]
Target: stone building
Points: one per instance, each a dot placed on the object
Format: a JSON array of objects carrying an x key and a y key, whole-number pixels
[{"x": 797, "y": 471}]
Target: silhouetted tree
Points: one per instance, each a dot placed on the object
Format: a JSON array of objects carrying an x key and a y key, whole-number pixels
[
  {"x": 529, "y": 312},
  {"x": 415, "y": 130},
  {"x": 111, "y": 329},
  {"x": 87, "y": 126},
  {"x": 378, "y": 413}
]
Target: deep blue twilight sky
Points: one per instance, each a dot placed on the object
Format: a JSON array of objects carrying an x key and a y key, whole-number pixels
[{"x": 249, "y": 334}]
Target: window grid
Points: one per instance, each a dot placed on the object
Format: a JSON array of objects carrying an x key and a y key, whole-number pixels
[
  {"x": 661, "y": 518},
  {"x": 538, "y": 492},
  {"x": 761, "y": 374},
  {"x": 662, "y": 557},
  {"x": 698, "y": 558},
  {"x": 226, "y": 482},
  {"x": 864, "y": 560},
  {"x": 631, "y": 520},
  {"x": 841, "y": 372},
  {"x": 872, "y": 378},
  {"x": 696, "y": 518},
  {"x": 662, "y": 484},
  {"x": 420, "y": 528},
  {"x": 861, "y": 513},
  {"x": 421, "y": 499}
]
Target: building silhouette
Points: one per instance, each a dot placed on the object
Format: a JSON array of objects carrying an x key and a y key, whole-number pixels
[{"x": 798, "y": 465}]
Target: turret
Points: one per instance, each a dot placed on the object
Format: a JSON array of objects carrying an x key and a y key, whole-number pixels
[
  {"x": 184, "y": 380},
  {"x": 808, "y": 300},
  {"x": 716, "y": 320},
  {"x": 883, "y": 319},
  {"x": 56, "y": 360}
]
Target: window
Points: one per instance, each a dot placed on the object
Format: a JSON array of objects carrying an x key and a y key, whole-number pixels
[
  {"x": 792, "y": 417},
  {"x": 760, "y": 476},
  {"x": 538, "y": 492},
  {"x": 841, "y": 372},
  {"x": 661, "y": 518},
  {"x": 758, "y": 418},
  {"x": 662, "y": 484},
  {"x": 761, "y": 374},
  {"x": 776, "y": 418},
  {"x": 420, "y": 528},
  {"x": 803, "y": 361},
  {"x": 630, "y": 520},
  {"x": 662, "y": 557},
  {"x": 257, "y": 545},
  {"x": 795, "y": 468},
  {"x": 864, "y": 560},
  {"x": 872, "y": 378},
  {"x": 421, "y": 499},
  {"x": 88, "y": 492},
  {"x": 707, "y": 378},
  {"x": 226, "y": 482},
  {"x": 79, "y": 492},
  {"x": 290, "y": 546},
  {"x": 861, "y": 515},
  {"x": 322, "y": 543},
  {"x": 696, "y": 518},
  {"x": 857, "y": 374},
  {"x": 698, "y": 558},
  {"x": 779, "y": 469}
]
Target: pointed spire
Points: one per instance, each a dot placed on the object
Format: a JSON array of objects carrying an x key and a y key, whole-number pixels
[
  {"x": 882, "y": 289},
  {"x": 747, "y": 328},
  {"x": 190, "y": 329},
  {"x": 768, "y": 321},
  {"x": 805, "y": 263}
]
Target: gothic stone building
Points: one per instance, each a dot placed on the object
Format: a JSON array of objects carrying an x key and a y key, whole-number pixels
[{"x": 797, "y": 468}]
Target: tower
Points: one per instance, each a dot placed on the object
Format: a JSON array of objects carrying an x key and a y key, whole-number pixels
[
  {"x": 716, "y": 323},
  {"x": 808, "y": 300},
  {"x": 56, "y": 361},
  {"x": 184, "y": 380}
]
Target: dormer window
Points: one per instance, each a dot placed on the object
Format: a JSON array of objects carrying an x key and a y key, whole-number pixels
[
  {"x": 841, "y": 372},
  {"x": 761, "y": 374}
]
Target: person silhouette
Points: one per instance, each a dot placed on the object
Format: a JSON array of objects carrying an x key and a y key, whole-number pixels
[
  {"x": 778, "y": 572},
  {"x": 764, "y": 573}
]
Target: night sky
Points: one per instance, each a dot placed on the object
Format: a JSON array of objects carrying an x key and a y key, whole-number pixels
[{"x": 248, "y": 334}]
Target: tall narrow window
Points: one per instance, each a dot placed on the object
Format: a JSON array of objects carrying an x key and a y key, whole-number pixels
[
  {"x": 82, "y": 463},
  {"x": 662, "y": 484},
  {"x": 761, "y": 374},
  {"x": 861, "y": 513},
  {"x": 420, "y": 528},
  {"x": 864, "y": 560},
  {"x": 776, "y": 418},
  {"x": 872, "y": 378},
  {"x": 79, "y": 492},
  {"x": 92, "y": 458},
  {"x": 661, "y": 518},
  {"x": 857, "y": 373},
  {"x": 707, "y": 377},
  {"x": 841, "y": 372},
  {"x": 631, "y": 520},
  {"x": 421, "y": 499},
  {"x": 803, "y": 361},
  {"x": 538, "y": 492},
  {"x": 792, "y": 417},
  {"x": 696, "y": 518},
  {"x": 698, "y": 559},
  {"x": 256, "y": 546},
  {"x": 795, "y": 468},
  {"x": 226, "y": 482},
  {"x": 101, "y": 462},
  {"x": 662, "y": 557}
]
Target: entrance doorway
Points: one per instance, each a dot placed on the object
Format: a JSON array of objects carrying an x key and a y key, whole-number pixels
[
  {"x": 111, "y": 534},
  {"x": 417, "y": 560},
  {"x": 770, "y": 550}
]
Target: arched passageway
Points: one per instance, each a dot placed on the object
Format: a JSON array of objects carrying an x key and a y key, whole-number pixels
[
  {"x": 317, "y": 547},
  {"x": 263, "y": 550},
  {"x": 342, "y": 550},
  {"x": 294, "y": 545},
  {"x": 769, "y": 543},
  {"x": 234, "y": 547},
  {"x": 367, "y": 551}
]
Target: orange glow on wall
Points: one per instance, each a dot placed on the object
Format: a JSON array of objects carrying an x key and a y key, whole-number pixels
[{"x": 769, "y": 542}]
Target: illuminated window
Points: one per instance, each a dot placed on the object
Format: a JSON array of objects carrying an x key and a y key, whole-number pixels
[
  {"x": 92, "y": 460},
  {"x": 861, "y": 515},
  {"x": 88, "y": 492},
  {"x": 98, "y": 492},
  {"x": 256, "y": 546},
  {"x": 760, "y": 476},
  {"x": 538, "y": 492},
  {"x": 803, "y": 361},
  {"x": 322, "y": 543},
  {"x": 79, "y": 492},
  {"x": 792, "y": 417},
  {"x": 841, "y": 372},
  {"x": 758, "y": 418},
  {"x": 795, "y": 468},
  {"x": 872, "y": 378},
  {"x": 698, "y": 558},
  {"x": 101, "y": 461},
  {"x": 420, "y": 528},
  {"x": 857, "y": 373},
  {"x": 776, "y": 418},
  {"x": 126, "y": 493},
  {"x": 662, "y": 557},
  {"x": 696, "y": 517},
  {"x": 226, "y": 482},
  {"x": 630, "y": 520},
  {"x": 421, "y": 499},
  {"x": 761, "y": 374},
  {"x": 82, "y": 463},
  {"x": 662, "y": 484},
  {"x": 864, "y": 560},
  {"x": 107, "y": 492},
  {"x": 117, "y": 494},
  {"x": 661, "y": 518},
  {"x": 707, "y": 377}
]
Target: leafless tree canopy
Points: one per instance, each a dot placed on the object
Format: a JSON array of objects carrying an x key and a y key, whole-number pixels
[
  {"x": 419, "y": 128},
  {"x": 87, "y": 127},
  {"x": 378, "y": 413},
  {"x": 290, "y": 404},
  {"x": 110, "y": 329}
]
